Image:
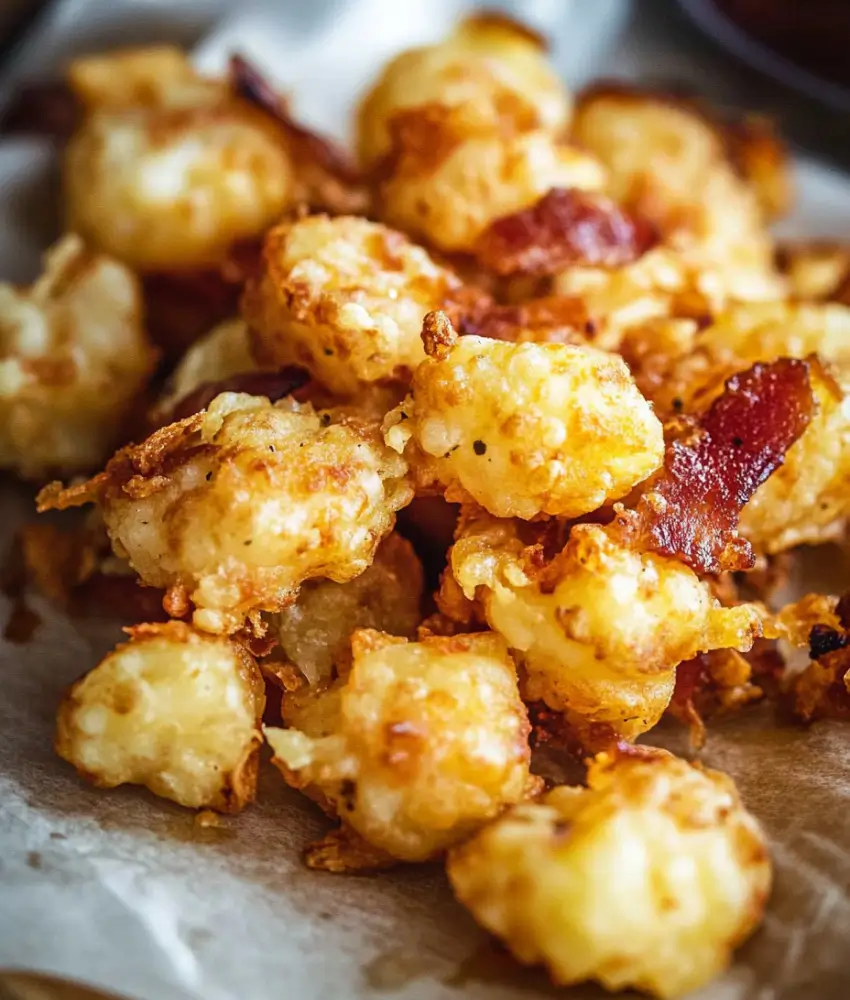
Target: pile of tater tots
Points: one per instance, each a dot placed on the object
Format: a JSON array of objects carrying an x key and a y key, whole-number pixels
[{"x": 495, "y": 436}]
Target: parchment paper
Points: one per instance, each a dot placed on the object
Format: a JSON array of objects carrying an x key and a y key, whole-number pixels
[{"x": 123, "y": 892}]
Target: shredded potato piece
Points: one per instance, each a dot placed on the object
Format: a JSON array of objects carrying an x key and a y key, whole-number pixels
[
  {"x": 599, "y": 626},
  {"x": 345, "y": 298},
  {"x": 648, "y": 878},
  {"x": 234, "y": 508},
  {"x": 74, "y": 358},
  {"x": 172, "y": 709},
  {"x": 489, "y": 64},
  {"x": 524, "y": 429},
  {"x": 415, "y": 747}
]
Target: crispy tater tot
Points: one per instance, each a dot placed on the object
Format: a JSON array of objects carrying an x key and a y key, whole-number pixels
[
  {"x": 172, "y": 709},
  {"x": 671, "y": 165},
  {"x": 447, "y": 178},
  {"x": 314, "y": 632},
  {"x": 415, "y": 747},
  {"x": 492, "y": 65},
  {"x": 648, "y": 878},
  {"x": 169, "y": 169},
  {"x": 234, "y": 508},
  {"x": 74, "y": 358},
  {"x": 524, "y": 429},
  {"x": 598, "y": 625},
  {"x": 345, "y": 298},
  {"x": 806, "y": 500}
]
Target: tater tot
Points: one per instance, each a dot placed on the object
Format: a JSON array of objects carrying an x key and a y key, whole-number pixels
[
  {"x": 169, "y": 169},
  {"x": 447, "y": 177},
  {"x": 806, "y": 500},
  {"x": 314, "y": 632},
  {"x": 670, "y": 163},
  {"x": 417, "y": 746},
  {"x": 524, "y": 429},
  {"x": 489, "y": 63},
  {"x": 234, "y": 508},
  {"x": 172, "y": 709},
  {"x": 345, "y": 298},
  {"x": 599, "y": 627},
  {"x": 74, "y": 357},
  {"x": 648, "y": 878}
]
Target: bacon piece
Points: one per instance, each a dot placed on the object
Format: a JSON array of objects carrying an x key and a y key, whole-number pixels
[
  {"x": 273, "y": 385},
  {"x": 44, "y": 109},
  {"x": 556, "y": 319},
  {"x": 691, "y": 511},
  {"x": 565, "y": 227},
  {"x": 330, "y": 177}
]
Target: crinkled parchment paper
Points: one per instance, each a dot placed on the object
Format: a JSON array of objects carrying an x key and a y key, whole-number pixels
[{"x": 122, "y": 891}]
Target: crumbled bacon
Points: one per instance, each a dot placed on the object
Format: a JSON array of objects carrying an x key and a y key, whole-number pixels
[
  {"x": 273, "y": 385},
  {"x": 691, "y": 511},
  {"x": 556, "y": 319},
  {"x": 565, "y": 227}
]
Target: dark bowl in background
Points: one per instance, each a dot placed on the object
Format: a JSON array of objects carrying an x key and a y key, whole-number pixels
[{"x": 804, "y": 44}]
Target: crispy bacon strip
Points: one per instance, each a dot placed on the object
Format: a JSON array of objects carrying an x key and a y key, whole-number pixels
[
  {"x": 274, "y": 385},
  {"x": 565, "y": 227},
  {"x": 691, "y": 512},
  {"x": 332, "y": 180},
  {"x": 556, "y": 319}
]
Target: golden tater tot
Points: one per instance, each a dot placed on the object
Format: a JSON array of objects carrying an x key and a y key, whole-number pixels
[
  {"x": 671, "y": 165},
  {"x": 447, "y": 177},
  {"x": 169, "y": 169},
  {"x": 598, "y": 626},
  {"x": 314, "y": 632},
  {"x": 345, "y": 298},
  {"x": 490, "y": 64},
  {"x": 806, "y": 500},
  {"x": 648, "y": 878},
  {"x": 524, "y": 429},
  {"x": 74, "y": 358},
  {"x": 172, "y": 709},
  {"x": 234, "y": 508},
  {"x": 415, "y": 747}
]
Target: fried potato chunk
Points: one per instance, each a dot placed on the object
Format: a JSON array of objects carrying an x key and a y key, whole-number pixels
[
  {"x": 490, "y": 64},
  {"x": 417, "y": 746},
  {"x": 524, "y": 429},
  {"x": 235, "y": 507},
  {"x": 671, "y": 165},
  {"x": 169, "y": 169},
  {"x": 648, "y": 878},
  {"x": 598, "y": 626},
  {"x": 345, "y": 298},
  {"x": 806, "y": 500},
  {"x": 172, "y": 709},
  {"x": 447, "y": 177},
  {"x": 74, "y": 357},
  {"x": 314, "y": 632}
]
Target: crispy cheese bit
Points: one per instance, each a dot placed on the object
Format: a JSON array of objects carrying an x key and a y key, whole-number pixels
[
  {"x": 597, "y": 625},
  {"x": 345, "y": 298},
  {"x": 74, "y": 358},
  {"x": 447, "y": 178},
  {"x": 231, "y": 510},
  {"x": 174, "y": 710},
  {"x": 314, "y": 633},
  {"x": 670, "y": 164},
  {"x": 648, "y": 878},
  {"x": 171, "y": 171},
  {"x": 416, "y": 746},
  {"x": 805, "y": 501},
  {"x": 566, "y": 227},
  {"x": 490, "y": 64},
  {"x": 524, "y": 429},
  {"x": 691, "y": 511}
]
